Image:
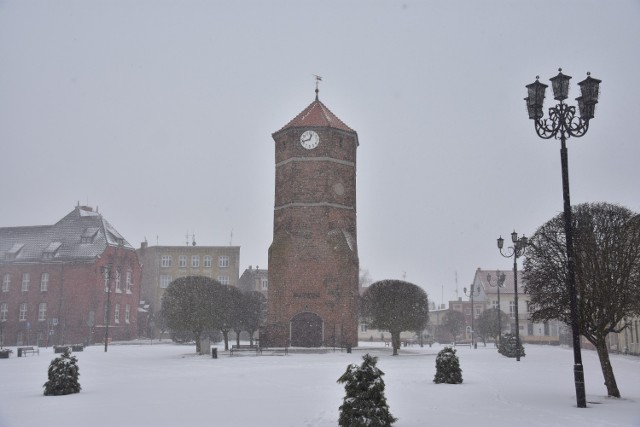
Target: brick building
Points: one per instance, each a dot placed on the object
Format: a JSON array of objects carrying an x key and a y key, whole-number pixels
[
  {"x": 313, "y": 259},
  {"x": 53, "y": 282}
]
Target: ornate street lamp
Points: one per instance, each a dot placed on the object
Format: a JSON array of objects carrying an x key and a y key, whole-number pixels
[
  {"x": 500, "y": 284},
  {"x": 106, "y": 272},
  {"x": 563, "y": 124},
  {"x": 471, "y": 294},
  {"x": 516, "y": 251}
]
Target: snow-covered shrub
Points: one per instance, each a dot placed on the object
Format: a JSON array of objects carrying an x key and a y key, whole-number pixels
[
  {"x": 364, "y": 403},
  {"x": 508, "y": 346},
  {"x": 447, "y": 367},
  {"x": 63, "y": 375}
]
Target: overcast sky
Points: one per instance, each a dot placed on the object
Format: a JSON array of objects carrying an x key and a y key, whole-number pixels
[{"x": 161, "y": 112}]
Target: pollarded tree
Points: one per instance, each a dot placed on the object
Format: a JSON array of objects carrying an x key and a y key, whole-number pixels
[
  {"x": 453, "y": 322},
  {"x": 607, "y": 267},
  {"x": 254, "y": 308},
  {"x": 229, "y": 312},
  {"x": 491, "y": 321},
  {"x": 189, "y": 304},
  {"x": 395, "y": 306}
]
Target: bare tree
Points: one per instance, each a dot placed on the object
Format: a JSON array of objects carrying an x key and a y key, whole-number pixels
[
  {"x": 490, "y": 322},
  {"x": 453, "y": 322},
  {"x": 607, "y": 248}
]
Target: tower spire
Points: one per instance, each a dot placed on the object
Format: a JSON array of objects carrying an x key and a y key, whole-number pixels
[{"x": 318, "y": 80}]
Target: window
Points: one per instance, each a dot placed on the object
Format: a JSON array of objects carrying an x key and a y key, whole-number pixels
[
  {"x": 6, "y": 282},
  {"x": 182, "y": 261},
  {"x": 26, "y": 278},
  {"x": 42, "y": 312},
  {"x": 195, "y": 261},
  {"x": 164, "y": 281},
  {"x": 23, "y": 312},
  {"x": 512, "y": 309},
  {"x": 223, "y": 280},
  {"x": 495, "y": 304},
  {"x": 223, "y": 261},
  {"x": 118, "y": 277},
  {"x": 364, "y": 327},
  {"x": 207, "y": 261},
  {"x": 116, "y": 314},
  {"x": 3, "y": 312},
  {"x": 265, "y": 284},
  {"x": 467, "y": 311},
  {"x": 127, "y": 313},
  {"x": 44, "y": 282},
  {"x": 128, "y": 282},
  {"x": 477, "y": 312},
  {"x": 165, "y": 261}
]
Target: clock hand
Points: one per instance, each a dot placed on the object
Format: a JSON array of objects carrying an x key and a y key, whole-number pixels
[{"x": 306, "y": 139}]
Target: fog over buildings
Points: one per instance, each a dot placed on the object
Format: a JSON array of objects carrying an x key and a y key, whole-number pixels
[{"x": 161, "y": 113}]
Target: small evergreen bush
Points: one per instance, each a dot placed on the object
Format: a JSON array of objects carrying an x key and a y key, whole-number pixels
[
  {"x": 364, "y": 403},
  {"x": 508, "y": 346},
  {"x": 63, "y": 375},
  {"x": 447, "y": 367}
]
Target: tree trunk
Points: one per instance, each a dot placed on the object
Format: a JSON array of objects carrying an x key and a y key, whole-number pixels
[
  {"x": 225, "y": 334},
  {"x": 196, "y": 337},
  {"x": 237, "y": 338},
  {"x": 395, "y": 342},
  {"x": 607, "y": 369}
]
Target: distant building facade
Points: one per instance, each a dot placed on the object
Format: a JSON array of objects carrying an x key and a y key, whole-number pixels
[
  {"x": 163, "y": 264},
  {"x": 56, "y": 286},
  {"x": 254, "y": 279},
  {"x": 532, "y": 332}
]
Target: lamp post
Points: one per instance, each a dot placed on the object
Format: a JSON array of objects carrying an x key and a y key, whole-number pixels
[
  {"x": 472, "y": 293},
  {"x": 500, "y": 284},
  {"x": 563, "y": 124},
  {"x": 106, "y": 272},
  {"x": 516, "y": 251}
]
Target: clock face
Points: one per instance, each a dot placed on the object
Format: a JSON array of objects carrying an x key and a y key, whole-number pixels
[{"x": 309, "y": 139}]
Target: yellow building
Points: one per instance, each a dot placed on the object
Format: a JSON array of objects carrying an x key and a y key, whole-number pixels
[{"x": 163, "y": 264}]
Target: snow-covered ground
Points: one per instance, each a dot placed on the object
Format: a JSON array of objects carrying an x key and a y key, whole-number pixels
[{"x": 169, "y": 385}]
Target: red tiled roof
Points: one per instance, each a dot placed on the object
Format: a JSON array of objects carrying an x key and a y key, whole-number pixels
[{"x": 317, "y": 114}]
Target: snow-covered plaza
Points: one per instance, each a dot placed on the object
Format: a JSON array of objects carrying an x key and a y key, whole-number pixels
[{"x": 169, "y": 385}]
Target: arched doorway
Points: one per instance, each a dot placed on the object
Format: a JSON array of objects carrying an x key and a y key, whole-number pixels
[{"x": 306, "y": 330}]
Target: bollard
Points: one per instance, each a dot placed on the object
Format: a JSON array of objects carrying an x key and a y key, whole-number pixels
[
  {"x": 348, "y": 349},
  {"x": 214, "y": 352}
]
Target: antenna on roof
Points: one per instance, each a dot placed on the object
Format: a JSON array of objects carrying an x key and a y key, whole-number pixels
[
  {"x": 231, "y": 240},
  {"x": 318, "y": 80}
]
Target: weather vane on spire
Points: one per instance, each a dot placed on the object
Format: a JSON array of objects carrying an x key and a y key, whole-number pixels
[{"x": 318, "y": 80}]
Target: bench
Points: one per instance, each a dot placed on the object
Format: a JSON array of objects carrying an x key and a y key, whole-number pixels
[
  {"x": 241, "y": 348},
  {"x": 26, "y": 350}
]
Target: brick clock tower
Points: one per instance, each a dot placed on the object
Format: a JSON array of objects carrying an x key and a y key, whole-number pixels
[{"x": 313, "y": 259}]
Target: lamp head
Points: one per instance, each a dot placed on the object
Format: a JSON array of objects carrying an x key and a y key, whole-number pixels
[
  {"x": 514, "y": 236},
  {"x": 500, "y": 242},
  {"x": 590, "y": 89},
  {"x": 560, "y": 85},
  {"x": 536, "y": 98}
]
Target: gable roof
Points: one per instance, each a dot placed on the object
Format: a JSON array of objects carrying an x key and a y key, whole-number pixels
[{"x": 81, "y": 235}]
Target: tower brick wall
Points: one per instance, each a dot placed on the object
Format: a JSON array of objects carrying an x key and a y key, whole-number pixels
[{"x": 313, "y": 260}]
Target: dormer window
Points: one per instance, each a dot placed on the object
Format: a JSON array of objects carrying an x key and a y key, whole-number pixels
[
  {"x": 89, "y": 235},
  {"x": 51, "y": 251},
  {"x": 13, "y": 253}
]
